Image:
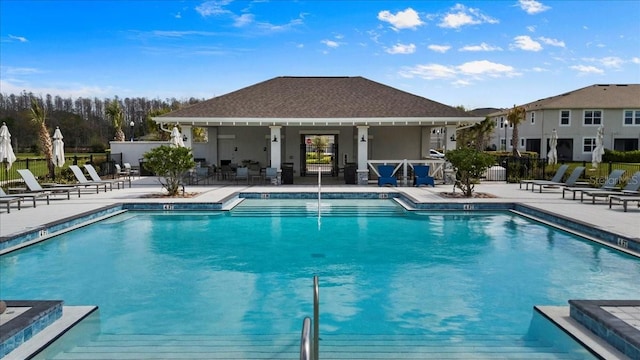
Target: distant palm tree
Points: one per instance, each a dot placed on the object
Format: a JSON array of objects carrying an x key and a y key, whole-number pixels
[
  {"x": 114, "y": 111},
  {"x": 320, "y": 143},
  {"x": 39, "y": 117},
  {"x": 515, "y": 116}
]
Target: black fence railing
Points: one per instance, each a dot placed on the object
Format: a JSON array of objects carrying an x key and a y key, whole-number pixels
[
  {"x": 39, "y": 167},
  {"x": 517, "y": 168}
]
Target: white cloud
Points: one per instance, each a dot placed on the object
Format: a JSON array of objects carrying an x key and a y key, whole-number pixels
[
  {"x": 460, "y": 16},
  {"x": 611, "y": 61},
  {"x": 429, "y": 71},
  {"x": 209, "y": 8},
  {"x": 462, "y": 74},
  {"x": 532, "y": 7},
  {"x": 531, "y": 28},
  {"x": 635, "y": 60},
  {"x": 178, "y": 16},
  {"x": 524, "y": 42},
  {"x": 407, "y": 19},
  {"x": 552, "y": 42},
  {"x": 585, "y": 70},
  {"x": 243, "y": 20},
  {"x": 18, "y": 38},
  {"x": 20, "y": 71},
  {"x": 402, "y": 49},
  {"x": 14, "y": 86},
  {"x": 482, "y": 47},
  {"x": 331, "y": 43},
  {"x": 439, "y": 48},
  {"x": 484, "y": 67}
]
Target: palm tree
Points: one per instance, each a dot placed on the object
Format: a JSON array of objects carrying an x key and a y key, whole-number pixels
[
  {"x": 39, "y": 117},
  {"x": 320, "y": 143},
  {"x": 515, "y": 116},
  {"x": 114, "y": 111}
]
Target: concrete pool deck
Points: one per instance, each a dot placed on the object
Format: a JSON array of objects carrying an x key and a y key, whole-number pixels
[{"x": 599, "y": 216}]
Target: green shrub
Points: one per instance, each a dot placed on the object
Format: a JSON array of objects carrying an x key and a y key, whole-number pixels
[
  {"x": 621, "y": 156},
  {"x": 470, "y": 164},
  {"x": 171, "y": 163}
]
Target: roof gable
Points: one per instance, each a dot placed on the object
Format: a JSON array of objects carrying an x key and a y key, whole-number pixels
[
  {"x": 317, "y": 98},
  {"x": 599, "y": 96}
]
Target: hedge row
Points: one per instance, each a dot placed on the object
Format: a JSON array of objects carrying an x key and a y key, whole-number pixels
[{"x": 621, "y": 156}]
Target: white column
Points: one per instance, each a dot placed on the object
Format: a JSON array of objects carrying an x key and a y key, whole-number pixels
[
  {"x": 186, "y": 131},
  {"x": 363, "y": 155},
  {"x": 450, "y": 134},
  {"x": 276, "y": 146}
]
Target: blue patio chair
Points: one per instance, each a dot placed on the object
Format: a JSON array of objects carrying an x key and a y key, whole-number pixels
[
  {"x": 421, "y": 176},
  {"x": 386, "y": 175}
]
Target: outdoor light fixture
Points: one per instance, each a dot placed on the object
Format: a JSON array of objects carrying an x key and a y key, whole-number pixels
[
  {"x": 275, "y": 139},
  {"x": 235, "y": 149},
  {"x": 132, "y": 124},
  {"x": 184, "y": 137},
  {"x": 453, "y": 138},
  {"x": 362, "y": 139}
]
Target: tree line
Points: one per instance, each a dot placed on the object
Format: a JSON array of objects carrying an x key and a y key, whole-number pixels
[{"x": 87, "y": 124}]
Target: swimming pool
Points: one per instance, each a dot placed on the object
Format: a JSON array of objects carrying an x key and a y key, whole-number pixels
[{"x": 383, "y": 271}]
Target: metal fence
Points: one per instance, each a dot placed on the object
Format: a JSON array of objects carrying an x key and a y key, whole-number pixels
[
  {"x": 39, "y": 167},
  {"x": 513, "y": 169}
]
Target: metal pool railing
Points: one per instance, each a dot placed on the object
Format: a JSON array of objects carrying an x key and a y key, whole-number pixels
[{"x": 309, "y": 348}]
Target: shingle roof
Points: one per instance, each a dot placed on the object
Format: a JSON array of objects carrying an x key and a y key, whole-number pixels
[
  {"x": 599, "y": 96},
  {"x": 318, "y": 97}
]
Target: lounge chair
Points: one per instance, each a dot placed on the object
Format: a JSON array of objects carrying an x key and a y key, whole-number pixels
[
  {"x": 83, "y": 181},
  {"x": 624, "y": 199},
  {"x": 34, "y": 186},
  {"x": 130, "y": 170},
  {"x": 242, "y": 173},
  {"x": 6, "y": 199},
  {"x": 572, "y": 180},
  {"x": 386, "y": 175},
  {"x": 93, "y": 174},
  {"x": 421, "y": 176},
  {"x": 24, "y": 196},
  {"x": 631, "y": 189},
  {"x": 610, "y": 184},
  {"x": 557, "y": 178},
  {"x": 271, "y": 175}
]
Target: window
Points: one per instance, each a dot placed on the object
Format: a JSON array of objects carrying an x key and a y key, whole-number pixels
[
  {"x": 522, "y": 142},
  {"x": 565, "y": 117},
  {"x": 631, "y": 117},
  {"x": 200, "y": 134},
  {"x": 533, "y": 118},
  {"x": 501, "y": 122},
  {"x": 588, "y": 144},
  {"x": 593, "y": 117}
]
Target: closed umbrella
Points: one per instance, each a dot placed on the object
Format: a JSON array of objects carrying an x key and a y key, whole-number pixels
[
  {"x": 176, "y": 138},
  {"x": 58, "y": 148},
  {"x": 598, "y": 151},
  {"x": 6, "y": 150},
  {"x": 552, "y": 157}
]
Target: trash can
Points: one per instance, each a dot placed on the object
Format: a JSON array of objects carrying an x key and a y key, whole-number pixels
[
  {"x": 143, "y": 171},
  {"x": 350, "y": 173},
  {"x": 287, "y": 173}
]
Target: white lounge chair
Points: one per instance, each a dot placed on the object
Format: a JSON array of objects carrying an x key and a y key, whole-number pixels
[
  {"x": 34, "y": 186},
  {"x": 83, "y": 181},
  {"x": 93, "y": 174},
  {"x": 24, "y": 196},
  {"x": 5, "y": 199}
]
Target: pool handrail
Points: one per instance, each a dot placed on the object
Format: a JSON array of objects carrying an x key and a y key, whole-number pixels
[
  {"x": 305, "y": 340},
  {"x": 316, "y": 318}
]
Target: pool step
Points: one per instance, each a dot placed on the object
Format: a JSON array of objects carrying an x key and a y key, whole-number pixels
[
  {"x": 311, "y": 209},
  {"x": 286, "y": 346}
]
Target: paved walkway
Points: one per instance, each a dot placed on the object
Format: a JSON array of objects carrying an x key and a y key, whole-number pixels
[{"x": 597, "y": 215}]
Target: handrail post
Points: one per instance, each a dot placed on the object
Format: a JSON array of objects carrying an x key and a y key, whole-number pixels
[{"x": 316, "y": 320}]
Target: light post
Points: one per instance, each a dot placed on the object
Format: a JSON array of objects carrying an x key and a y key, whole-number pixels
[
  {"x": 132, "y": 124},
  {"x": 506, "y": 126}
]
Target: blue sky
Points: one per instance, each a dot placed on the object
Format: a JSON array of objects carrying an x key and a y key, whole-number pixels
[{"x": 469, "y": 53}]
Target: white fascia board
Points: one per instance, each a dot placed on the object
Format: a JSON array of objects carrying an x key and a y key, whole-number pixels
[{"x": 398, "y": 121}]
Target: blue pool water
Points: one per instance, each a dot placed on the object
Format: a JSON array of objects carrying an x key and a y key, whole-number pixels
[{"x": 247, "y": 272}]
